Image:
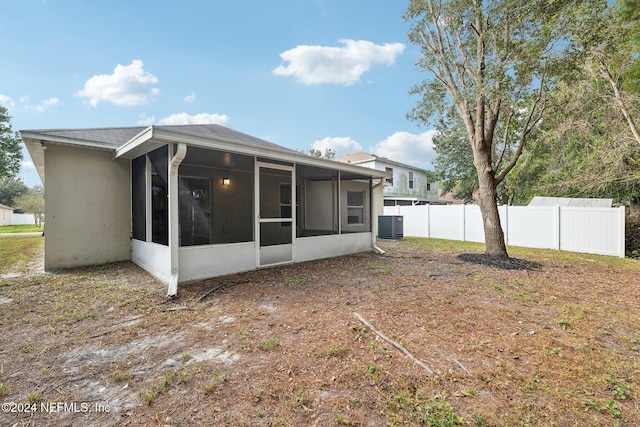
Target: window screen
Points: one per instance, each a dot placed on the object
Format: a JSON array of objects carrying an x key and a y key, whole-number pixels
[{"x": 355, "y": 207}]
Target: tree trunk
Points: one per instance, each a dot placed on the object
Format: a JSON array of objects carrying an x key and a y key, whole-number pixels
[
  {"x": 486, "y": 197},
  {"x": 619, "y": 100}
]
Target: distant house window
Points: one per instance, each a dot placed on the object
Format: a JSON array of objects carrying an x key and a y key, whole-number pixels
[
  {"x": 355, "y": 207},
  {"x": 411, "y": 180},
  {"x": 389, "y": 180},
  {"x": 428, "y": 186}
]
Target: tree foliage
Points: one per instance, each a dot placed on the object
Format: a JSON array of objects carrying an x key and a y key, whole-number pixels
[
  {"x": 10, "y": 150},
  {"x": 328, "y": 153},
  {"x": 33, "y": 202},
  {"x": 492, "y": 67},
  {"x": 10, "y": 189},
  {"x": 590, "y": 145}
]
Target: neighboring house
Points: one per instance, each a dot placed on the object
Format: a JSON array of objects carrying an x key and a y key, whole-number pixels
[
  {"x": 5, "y": 215},
  {"x": 407, "y": 185},
  {"x": 196, "y": 201},
  {"x": 448, "y": 198}
]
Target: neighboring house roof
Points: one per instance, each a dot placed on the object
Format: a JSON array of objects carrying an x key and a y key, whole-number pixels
[
  {"x": 130, "y": 142},
  {"x": 5, "y": 207},
  {"x": 571, "y": 202},
  {"x": 448, "y": 197},
  {"x": 357, "y": 158}
]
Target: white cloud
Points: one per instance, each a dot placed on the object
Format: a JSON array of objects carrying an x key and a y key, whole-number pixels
[
  {"x": 341, "y": 145},
  {"x": 43, "y": 105},
  {"x": 7, "y": 101},
  {"x": 404, "y": 147},
  {"x": 339, "y": 65},
  {"x": 145, "y": 120},
  {"x": 190, "y": 98},
  {"x": 196, "y": 119},
  {"x": 28, "y": 165},
  {"x": 128, "y": 85}
]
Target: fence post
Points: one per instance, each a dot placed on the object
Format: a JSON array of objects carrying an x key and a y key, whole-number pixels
[
  {"x": 428, "y": 220},
  {"x": 621, "y": 231},
  {"x": 506, "y": 224},
  {"x": 464, "y": 224},
  {"x": 556, "y": 227}
]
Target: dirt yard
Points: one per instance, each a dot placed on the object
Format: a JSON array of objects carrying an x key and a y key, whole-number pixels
[{"x": 549, "y": 339}]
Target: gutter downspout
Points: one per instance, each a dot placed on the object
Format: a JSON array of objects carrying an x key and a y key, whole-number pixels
[
  {"x": 174, "y": 244},
  {"x": 376, "y": 249}
]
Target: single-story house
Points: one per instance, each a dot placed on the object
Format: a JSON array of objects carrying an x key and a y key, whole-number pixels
[
  {"x": 192, "y": 202},
  {"x": 5, "y": 215}
]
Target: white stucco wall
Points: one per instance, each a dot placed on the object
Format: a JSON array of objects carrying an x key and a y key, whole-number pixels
[
  {"x": 310, "y": 248},
  {"x": 203, "y": 262},
  {"x": 153, "y": 257},
  {"x": 5, "y": 216},
  {"x": 88, "y": 208}
]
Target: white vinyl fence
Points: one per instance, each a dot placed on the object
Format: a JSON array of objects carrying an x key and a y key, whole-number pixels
[
  {"x": 22, "y": 219},
  {"x": 587, "y": 230}
]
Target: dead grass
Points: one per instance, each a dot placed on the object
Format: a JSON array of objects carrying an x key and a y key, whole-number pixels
[{"x": 554, "y": 344}]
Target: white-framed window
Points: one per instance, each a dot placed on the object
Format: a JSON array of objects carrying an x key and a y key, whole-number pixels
[
  {"x": 411, "y": 180},
  {"x": 389, "y": 180},
  {"x": 355, "y": 207}
]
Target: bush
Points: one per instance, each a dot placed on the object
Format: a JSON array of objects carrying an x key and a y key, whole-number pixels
[{"x": 632, "y": 234}]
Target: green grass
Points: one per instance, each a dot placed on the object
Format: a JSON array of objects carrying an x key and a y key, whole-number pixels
[
  {"x": 20, "y": 229},
  {"x": 17, "y": 250},
  {"x": 525, "y": 253}
]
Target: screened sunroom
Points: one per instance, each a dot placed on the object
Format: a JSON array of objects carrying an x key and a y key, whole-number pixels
[{"x": 210, "y": 201}]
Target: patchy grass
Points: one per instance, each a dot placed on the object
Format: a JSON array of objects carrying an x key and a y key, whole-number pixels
[
  {"x": 18, "y": 251},
  {"x": 553, "y": 341}
]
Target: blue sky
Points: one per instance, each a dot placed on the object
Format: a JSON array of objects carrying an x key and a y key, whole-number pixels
[{"x": 300, "y": 73}]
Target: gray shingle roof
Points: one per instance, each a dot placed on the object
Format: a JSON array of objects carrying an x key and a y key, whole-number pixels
[
  {"x": 114, "y": 136},
  {"x": 117, "y": 136}
]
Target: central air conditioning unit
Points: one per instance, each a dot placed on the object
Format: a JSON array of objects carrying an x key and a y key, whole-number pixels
[{"x": 390, "y": 227}]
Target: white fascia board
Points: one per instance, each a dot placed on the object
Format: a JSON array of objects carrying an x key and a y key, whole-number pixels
[
  {"x": 134, "y": 142},
  {"x": 153, "y": 134}
]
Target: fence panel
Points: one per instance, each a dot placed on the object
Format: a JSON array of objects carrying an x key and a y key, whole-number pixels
[
  {"x": 22, "y": 219},
  {"x": 446, "y": 222},
  {"x": 533, "y": 227},
  {"x": 594, "y": 230},
  {"x": 588, "y": 230}
]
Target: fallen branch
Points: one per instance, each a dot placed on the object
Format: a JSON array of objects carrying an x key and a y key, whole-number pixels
[
  {"x": 176, "y": 308},
  {"x": 461, "y": 365},
  {"x": 393, "y": 343},
  {"x": 112, "y": 327},
  {"x": 224, "y": 284}
]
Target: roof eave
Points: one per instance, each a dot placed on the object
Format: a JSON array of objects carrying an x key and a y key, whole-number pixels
[{"x": 153, "y": 137}]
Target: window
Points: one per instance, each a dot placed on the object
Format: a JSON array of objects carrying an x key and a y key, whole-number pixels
[
  {"x": 355, "y": 207},
  {"x": 410, "y": 180},
  {"x": 389, "y": 180},
  {"x": 428, "y": 187}
]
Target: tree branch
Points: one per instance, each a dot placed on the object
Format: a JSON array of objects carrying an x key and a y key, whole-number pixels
[
  {"x": 618, "y": 98},
  {"x": 526, "y": 130}
]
